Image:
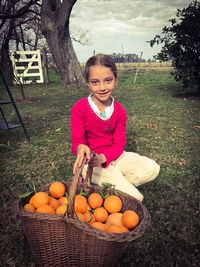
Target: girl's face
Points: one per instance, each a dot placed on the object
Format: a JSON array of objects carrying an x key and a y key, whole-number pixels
[{"x": 101, "y": 82}]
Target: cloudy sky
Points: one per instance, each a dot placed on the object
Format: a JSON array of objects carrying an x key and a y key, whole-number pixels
[{"x": 121, "y": 25}]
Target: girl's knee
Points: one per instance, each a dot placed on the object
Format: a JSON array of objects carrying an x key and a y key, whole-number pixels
[
  {"x": 155, "y": 172},
  {"x": 147, "y": 172}
]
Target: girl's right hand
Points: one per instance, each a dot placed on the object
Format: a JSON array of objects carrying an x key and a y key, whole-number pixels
[{"x": 82, "y": 151}]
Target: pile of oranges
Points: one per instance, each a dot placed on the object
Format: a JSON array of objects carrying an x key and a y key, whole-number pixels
[
  {"x": 103, "y": 214},
  {"x": 53, "y": 202}
]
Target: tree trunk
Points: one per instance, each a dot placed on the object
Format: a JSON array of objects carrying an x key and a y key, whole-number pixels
[
  {"x": 65, "y": 58},
  {"x": 6, "y": 64},
  {"x": 198, "y": 90},
  {"x": 55, "y": 27}
]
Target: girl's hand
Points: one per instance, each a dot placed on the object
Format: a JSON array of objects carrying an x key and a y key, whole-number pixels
[
  {"x": 82, "y": 151},
  {"x": 97, "y": 160}
]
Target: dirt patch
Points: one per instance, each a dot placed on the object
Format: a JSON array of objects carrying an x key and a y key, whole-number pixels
[
  {"x": 27, "y": 100},
  {"x": 26, "y": 118}
]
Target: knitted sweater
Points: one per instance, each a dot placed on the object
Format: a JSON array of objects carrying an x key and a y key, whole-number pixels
[{"x": 102, "y": 136}]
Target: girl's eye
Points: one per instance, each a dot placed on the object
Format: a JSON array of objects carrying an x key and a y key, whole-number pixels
[
  {"x": 94, "y": 82},
  {"x": 109, "y": 80}
]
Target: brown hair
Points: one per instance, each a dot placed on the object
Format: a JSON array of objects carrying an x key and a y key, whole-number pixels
[{"x": 103, "y": 60}]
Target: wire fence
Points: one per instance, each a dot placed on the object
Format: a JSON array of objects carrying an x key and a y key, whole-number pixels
[{"x": 141, "y": 65}]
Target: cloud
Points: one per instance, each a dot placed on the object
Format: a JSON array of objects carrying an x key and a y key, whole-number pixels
[{"x": 115, "y": 23}]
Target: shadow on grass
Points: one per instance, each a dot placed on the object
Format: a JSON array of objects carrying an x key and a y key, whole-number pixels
[{"x": 169, "y": 241}]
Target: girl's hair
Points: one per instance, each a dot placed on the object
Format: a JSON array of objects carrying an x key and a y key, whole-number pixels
[{"x": 102, "y": 60}]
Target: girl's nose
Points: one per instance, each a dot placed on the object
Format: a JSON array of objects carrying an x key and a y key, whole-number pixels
[{"x": 102, "y": 86}]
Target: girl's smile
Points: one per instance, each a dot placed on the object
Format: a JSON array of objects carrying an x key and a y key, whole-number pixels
[{"x": 101, "y": 82}]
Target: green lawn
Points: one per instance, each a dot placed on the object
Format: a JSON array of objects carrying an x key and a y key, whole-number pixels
[{"x": 160, "y": 126}]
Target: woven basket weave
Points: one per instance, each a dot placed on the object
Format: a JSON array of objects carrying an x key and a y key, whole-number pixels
[{"x": 62, "y": 241}]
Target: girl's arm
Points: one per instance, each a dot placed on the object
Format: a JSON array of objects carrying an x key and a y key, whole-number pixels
[
  {"x": 97, "y": 160},
  {"x": 77, "y": 127},
  {"x": 82, "y": 151},
  {"x": 78, "y": 142}
]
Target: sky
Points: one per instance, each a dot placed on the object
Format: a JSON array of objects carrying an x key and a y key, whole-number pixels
[{"x": 121, "y": 26}]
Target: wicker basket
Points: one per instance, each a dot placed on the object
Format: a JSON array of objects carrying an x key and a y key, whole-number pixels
[{"x": 62, "y": 241}]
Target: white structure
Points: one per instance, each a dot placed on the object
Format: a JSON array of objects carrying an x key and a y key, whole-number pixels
[{"x": 27, "y": 66}]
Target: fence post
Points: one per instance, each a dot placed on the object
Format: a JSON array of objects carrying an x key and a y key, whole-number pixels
[{"x": 45, "y": 66}]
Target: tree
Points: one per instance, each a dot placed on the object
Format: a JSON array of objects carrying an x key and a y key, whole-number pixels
[
  {"x": 11, "y": 13},
  {"x": 27, "y": 33},
  {"x": 181, "y": 44},
  {"x": 55, "y": 16}
]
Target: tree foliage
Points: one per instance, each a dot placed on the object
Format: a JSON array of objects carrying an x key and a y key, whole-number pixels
[
  {"x": 127, "y": 58},
  {"x": 181, "y": 44}
]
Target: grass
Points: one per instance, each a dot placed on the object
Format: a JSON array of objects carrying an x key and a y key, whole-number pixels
[{"x": 160, "y": 126}]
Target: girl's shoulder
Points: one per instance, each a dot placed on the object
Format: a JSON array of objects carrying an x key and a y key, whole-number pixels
[
  {"x": 81, "y": 103},
  {"x": 118, "y": 106}
]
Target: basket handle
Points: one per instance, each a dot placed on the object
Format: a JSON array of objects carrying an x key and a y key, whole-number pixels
[{"x": 74, "y": 185}]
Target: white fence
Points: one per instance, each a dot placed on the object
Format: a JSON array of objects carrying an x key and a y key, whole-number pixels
[{"x": 27, "y": 66}]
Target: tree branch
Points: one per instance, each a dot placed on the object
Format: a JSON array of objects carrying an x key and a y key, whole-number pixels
[
  {"x": 2, "y": 23},
  {"x": 19, "y": 12}
]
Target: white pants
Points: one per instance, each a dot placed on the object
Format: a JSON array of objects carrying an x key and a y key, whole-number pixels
[{"x": 127, "y": 172}]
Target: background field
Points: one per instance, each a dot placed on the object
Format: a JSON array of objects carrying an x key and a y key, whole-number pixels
[{"x": 160, "y": 126}]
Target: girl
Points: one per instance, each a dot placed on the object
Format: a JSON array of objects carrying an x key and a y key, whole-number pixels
[{"x": 98, "y": 124}]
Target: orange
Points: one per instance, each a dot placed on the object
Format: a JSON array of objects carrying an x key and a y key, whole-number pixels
[
  {"x": 29, "y": 208},
  {"x": 63, "y": 200},
  {"x": 31, "y": 200},
  {"x": 80, "y": 216},
  {"x": 57, "y": 189},
  {"x": 80, "y": 204},
  {"x": 113, "y": 204},
  {"x": 100, "y": 214},
  {"x": 114, "y": 229},
  {"x": 53, "y": 202},
  {"x": 39, "y": 199},
  {"x": 45, "y": 209},
  {"x": 99, "y": 225},
  {"x": 123, "y": 229},
  {"x": 61, "y": 209},
  {"x": 95, "y": 200},
  {"x": 119, "y": 229},
  {"x": 130, "y": 219},
  {"x": 88, "y": 217},
  {"x": 115, "y": 219}
]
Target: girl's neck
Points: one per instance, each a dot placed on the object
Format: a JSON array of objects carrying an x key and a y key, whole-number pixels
[{"x": 101, "y": 105}]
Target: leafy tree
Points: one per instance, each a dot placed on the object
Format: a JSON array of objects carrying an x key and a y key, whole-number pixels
[{"x": 181, "y": 44}]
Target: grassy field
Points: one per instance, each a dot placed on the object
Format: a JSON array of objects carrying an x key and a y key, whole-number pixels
[{"x": 160, "y": 126}]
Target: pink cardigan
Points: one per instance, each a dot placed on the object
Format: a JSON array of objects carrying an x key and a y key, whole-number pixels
[{"x": 102, "y": 136}]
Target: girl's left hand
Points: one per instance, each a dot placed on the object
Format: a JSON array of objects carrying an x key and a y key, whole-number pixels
[{"x": 97, "y": 160}]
